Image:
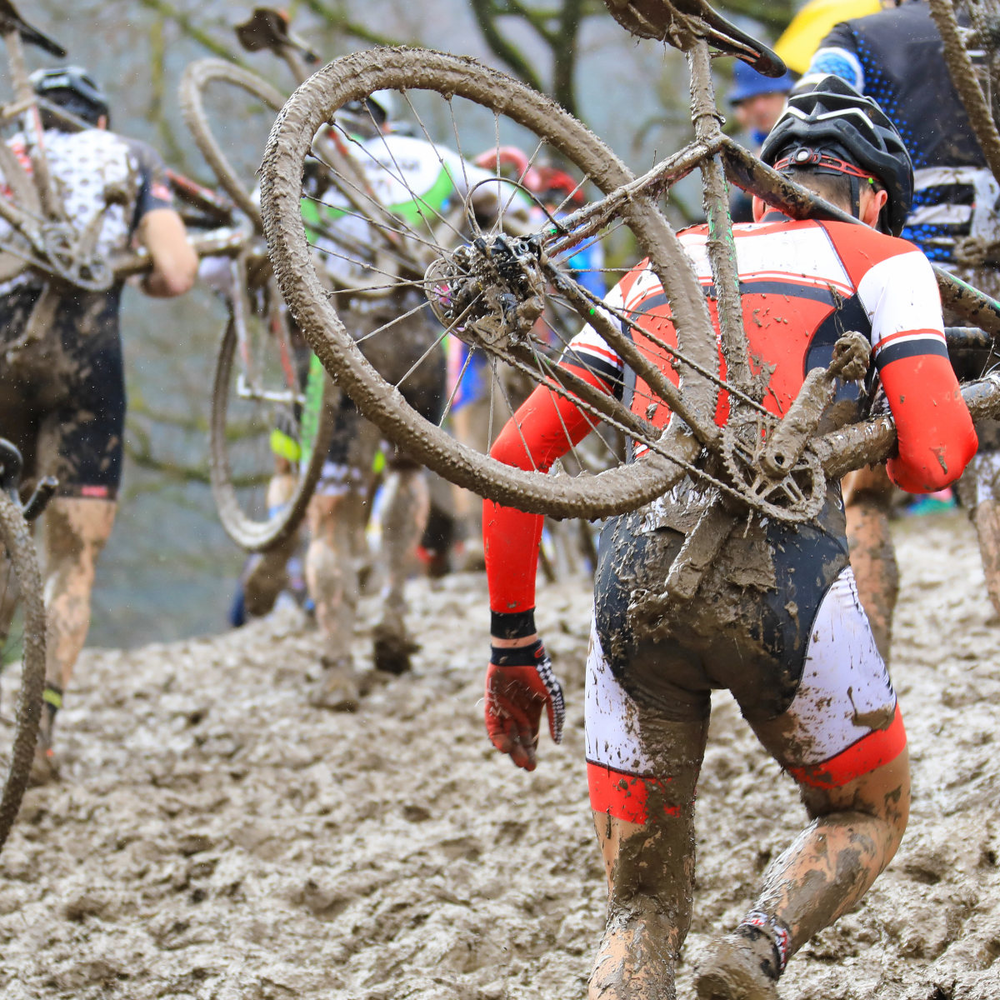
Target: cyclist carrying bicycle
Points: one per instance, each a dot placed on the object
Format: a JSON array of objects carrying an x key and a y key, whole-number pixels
[
  {"x": 62, "y": 391},
  {"x": 776, "y": 618}
]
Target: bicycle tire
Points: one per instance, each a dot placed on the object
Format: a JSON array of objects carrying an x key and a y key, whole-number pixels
[
  {"x": 197, "y": 78},
  {"x": 966, "y": 81},
  {"x": 23, "y": 562},
  {"x": 23, "y": 192},
  {"x": 242, "y": 505},
  {"x": 412, "y": 71}
]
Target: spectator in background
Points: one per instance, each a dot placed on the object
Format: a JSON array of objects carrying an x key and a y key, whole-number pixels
[{"x": 757, "y": 103}]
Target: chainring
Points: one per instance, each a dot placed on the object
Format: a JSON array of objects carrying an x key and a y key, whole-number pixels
[{"x": 797, "y": 496}]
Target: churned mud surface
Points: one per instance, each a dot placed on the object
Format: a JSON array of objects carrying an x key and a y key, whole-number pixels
[{"x": 215, "y": 837}]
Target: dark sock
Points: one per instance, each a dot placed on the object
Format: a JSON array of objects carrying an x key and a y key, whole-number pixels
[{"x": 769, "y": 940}]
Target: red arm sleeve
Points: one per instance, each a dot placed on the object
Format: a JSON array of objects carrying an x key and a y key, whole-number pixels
[
  {"x": 933, "y": 425},
  {"x": 935, "y": 432},
  {"x": 544, "y": 428}
]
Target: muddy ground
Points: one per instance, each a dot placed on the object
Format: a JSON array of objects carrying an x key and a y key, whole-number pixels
[{"x": 215, "y": 837}]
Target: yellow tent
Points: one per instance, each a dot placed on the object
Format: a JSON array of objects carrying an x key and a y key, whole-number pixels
[{"x": 810, "y": 26}]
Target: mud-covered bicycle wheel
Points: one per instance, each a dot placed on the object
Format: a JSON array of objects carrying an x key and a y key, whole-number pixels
[
  {"x": 979, "y": 91},
  {"x": 229, "y": 111},
  {"x": 483, "y": 273},
  {"x": 22, "y": 668},
  {"x": 15, "y": 250},
  {"x": 272, "y": 419}
]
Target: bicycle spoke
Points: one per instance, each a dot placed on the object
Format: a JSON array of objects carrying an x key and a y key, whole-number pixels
[
  {"x": 554, "y": 372},
  {"x": 378, "y": 217},
  {"x": 418, "y": 201},
  {"x": 395, "y": 321},
  {"x": 355, "y": 245},
  {"x": 456, "y": 388}
]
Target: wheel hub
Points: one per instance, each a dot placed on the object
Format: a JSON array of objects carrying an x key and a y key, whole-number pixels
[{"x": 489, "y": 292}]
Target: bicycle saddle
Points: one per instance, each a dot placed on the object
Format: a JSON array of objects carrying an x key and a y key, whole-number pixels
[
  {"x": 10, "y": 20},
  {"x": 665, "y": 20},
  {"x": 267, "y": 28}
]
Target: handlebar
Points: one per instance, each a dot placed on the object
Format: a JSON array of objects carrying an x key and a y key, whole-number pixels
[
  {"x": 11, "y": 21},
  {"x": 223, "y": 242},
  {"x": 11, "y": 464},
  {"x": 39, "y": 499}
]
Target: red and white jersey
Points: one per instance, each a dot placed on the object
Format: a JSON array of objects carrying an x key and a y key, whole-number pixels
[{"x": 802, "y": 285}]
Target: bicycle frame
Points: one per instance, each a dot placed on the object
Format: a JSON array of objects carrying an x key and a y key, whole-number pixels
[
  {"x": 756, "y": 178},
  {"x": 477, "y": 292},
  {"x": 268, "y": 29}
]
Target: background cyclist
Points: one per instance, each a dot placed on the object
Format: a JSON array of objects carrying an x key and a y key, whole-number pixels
[
  {"x": 62, "y": 389},
  {"x": 426, "y": 185},
  {"x": 757, "y": 103},
  {"x": 897, "y": 57}
]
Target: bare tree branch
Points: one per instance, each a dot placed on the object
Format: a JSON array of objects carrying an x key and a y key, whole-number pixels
[
  {"x": 486, "y": 13},
  {"x": 188, "y": 26},
  {"x": 565, "y": 55},
  {"x": 774, "y": 15},
  {"x": 339, "y": 19},
  {"x": 143, "y": 458}
]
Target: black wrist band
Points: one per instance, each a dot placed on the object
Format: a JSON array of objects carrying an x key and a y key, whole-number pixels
[
  {"x": 512, "y": 625},
  {"x": 517, "y": 656}
]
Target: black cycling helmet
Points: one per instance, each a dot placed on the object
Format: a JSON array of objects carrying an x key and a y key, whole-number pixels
[
  {"x": 831, "y": 128},
  {"x": 74, "y": 89}
]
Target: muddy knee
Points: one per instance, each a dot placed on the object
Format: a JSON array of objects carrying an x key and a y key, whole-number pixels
[
  {"x": 75, "y": 533},
  {"x": 330, "y": 575}
]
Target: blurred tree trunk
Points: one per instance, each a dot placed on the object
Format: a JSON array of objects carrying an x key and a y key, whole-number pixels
[{"x": 557, "y": 25}]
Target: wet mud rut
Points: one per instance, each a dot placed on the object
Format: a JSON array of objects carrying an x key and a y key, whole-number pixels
[{"x": 216, "y": 837}]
